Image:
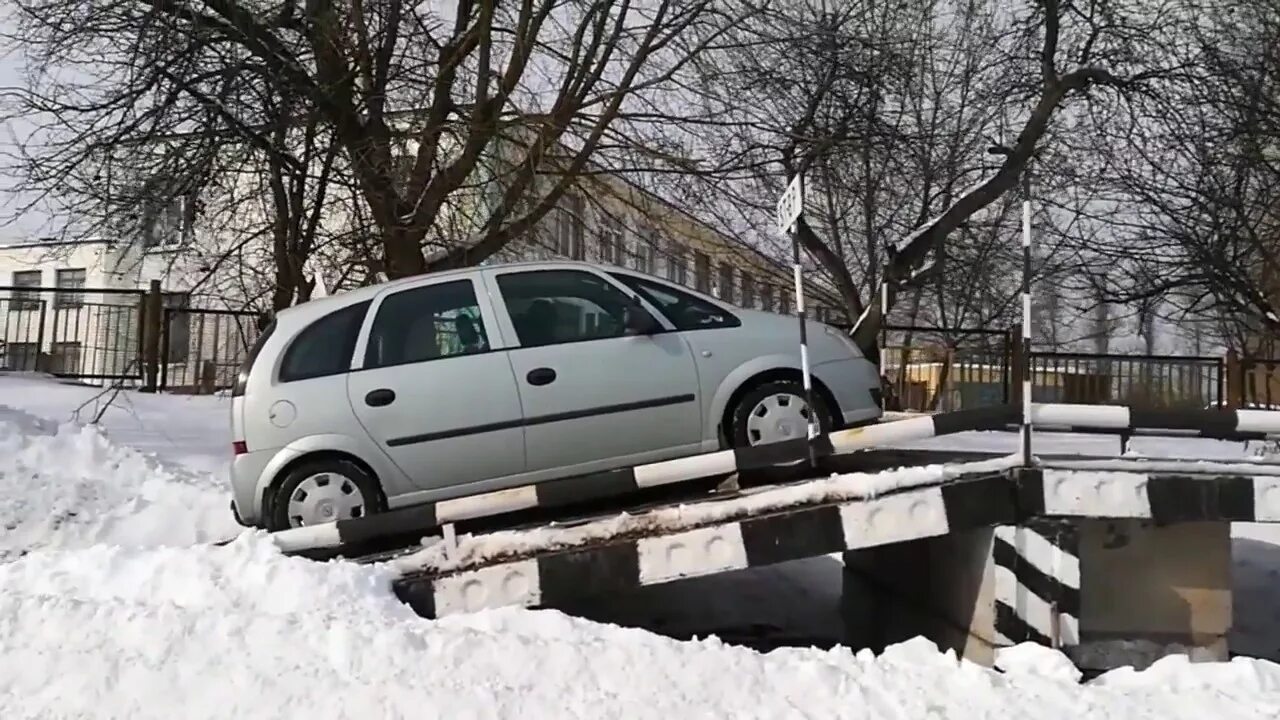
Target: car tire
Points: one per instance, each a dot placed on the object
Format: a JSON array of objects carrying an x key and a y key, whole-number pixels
[
  {"x": 349, "y": 489},
  {"x": 740, "y": 431}
]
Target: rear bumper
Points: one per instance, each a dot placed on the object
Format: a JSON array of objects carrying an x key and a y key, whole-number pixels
[
  {"x": 235, "y": 513},
  {"x": 246, "y": 470}
]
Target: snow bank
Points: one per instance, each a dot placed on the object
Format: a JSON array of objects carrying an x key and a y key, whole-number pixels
[
  {"x": 67, "y": 485},
  {"x": 241, "y": 631}
]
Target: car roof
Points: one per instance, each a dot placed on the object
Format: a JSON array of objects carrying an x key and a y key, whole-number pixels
[{"x": 320, "y": 306}]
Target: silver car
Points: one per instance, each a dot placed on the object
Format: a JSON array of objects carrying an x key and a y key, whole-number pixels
[{"x": 469, "y": 381}]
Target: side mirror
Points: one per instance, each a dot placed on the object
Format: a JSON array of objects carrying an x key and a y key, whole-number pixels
[{"x": 638, "y": 321}]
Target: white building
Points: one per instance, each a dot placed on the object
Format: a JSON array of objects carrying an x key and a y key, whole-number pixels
[{"x": 74, "y": 307}]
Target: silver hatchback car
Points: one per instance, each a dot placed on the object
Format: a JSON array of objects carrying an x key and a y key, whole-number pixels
[{"x": 469, "y": 381}]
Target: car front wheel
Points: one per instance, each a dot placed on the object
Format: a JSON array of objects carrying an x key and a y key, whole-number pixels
[{"x": 775, "y": 412}]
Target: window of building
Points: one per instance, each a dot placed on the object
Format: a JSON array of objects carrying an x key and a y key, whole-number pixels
[
  {"x": 610, "y": 241},
  {"x": 725, "y": 286},
  {"x": 64, "y": 358},
  {"x": 766, "y": 297},
  {"x": 570, "y": 228},
  {"x": 426, "y": 323},
  {"x": 325, "y": 346},
  {"x": 677, "y": 263},
  {"x": 26, "y": 299},
  {"x": 169, "y": 222},
  {"x": 685, "y": 311},
  {"x": 702, "y": 272},
  {"x": 748, "y": 290},
  {"x": 19, "y": 356},
  {"x": 784, "y": 301},
  {"x": 72, "y": 279},
  {"x": 548, "y": 307}
]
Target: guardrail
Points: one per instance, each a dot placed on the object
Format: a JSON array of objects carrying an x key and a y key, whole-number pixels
[
  {"x": 770, "y": 463},
  {"x": 752, "y": 465}
]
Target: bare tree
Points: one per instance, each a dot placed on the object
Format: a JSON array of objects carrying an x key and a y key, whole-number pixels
[
  {"x": 402, "y": 137},
  {"x": 1195, "y": 180},
  {"x": 892, "y": 119}
]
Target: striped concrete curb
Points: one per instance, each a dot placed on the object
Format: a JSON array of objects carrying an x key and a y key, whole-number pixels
[
  {"x": 1162, "y": 497},
  {"x": 758, "y": 463},
  {"x": 626, "y": 564},
  {"x": 750, "y": 464},
  {"x": 1037, "y": 571}
]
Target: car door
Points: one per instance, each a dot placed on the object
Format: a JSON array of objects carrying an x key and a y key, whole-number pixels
[
  {"x": 593, "y": 395},
  {"x": 432, "y": 390}
]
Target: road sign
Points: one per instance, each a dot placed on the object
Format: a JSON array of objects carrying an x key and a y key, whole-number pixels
[{"x": 791, "y": 204}]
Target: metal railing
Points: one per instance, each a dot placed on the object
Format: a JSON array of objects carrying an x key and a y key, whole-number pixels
[
  {"x": 202, "y": 350},
  {"x": 89, "y": 334},
  {"x": 1153, "y": 381},
  {"x": 1258, "y": 385}
]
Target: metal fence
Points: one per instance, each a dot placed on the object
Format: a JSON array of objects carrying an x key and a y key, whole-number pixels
[
  {"x": 944, "y": 369},
  {"x": 99, "y": 336},
  {"x": 201, "y": 350},
  {"x": 1258, "y": 385},
  {"x": 91, "y": 334},
  {"x": 1151, "y": 381},
  {"x": 936, "y": 369}
]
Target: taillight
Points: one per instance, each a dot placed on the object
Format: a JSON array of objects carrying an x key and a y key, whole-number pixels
[{"x": 239, "y": 447}]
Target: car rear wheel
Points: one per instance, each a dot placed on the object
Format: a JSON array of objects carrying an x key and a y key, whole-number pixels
[
  {"x": 323, "y": 491},
  {"x": 775, "y": 412}
]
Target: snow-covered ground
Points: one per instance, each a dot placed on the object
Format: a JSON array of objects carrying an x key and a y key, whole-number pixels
[{"x": 112, "y": 604}]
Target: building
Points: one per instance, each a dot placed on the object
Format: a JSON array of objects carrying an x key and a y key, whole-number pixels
[{"x": 74, "y": 307}]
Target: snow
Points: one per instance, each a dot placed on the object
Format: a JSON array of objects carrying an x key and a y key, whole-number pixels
[
  {"x": 113, "y": 614},
  {"x": 1031, "y": 660},
  {"x": 66, "y": 485},
  {"x": 470, "y": 550}
]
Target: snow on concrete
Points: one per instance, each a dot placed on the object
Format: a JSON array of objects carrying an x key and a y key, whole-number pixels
[
  {"x": 95, "y": 622},
  {"x": 470, "y": 550},
  {"x": 1056, "y": 443}
]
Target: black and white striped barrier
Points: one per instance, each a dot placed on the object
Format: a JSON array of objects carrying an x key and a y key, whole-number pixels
[
  {"x": 1208, "y": 423},
  {"x": 1037, "y": 582},
  {"x": 550, "y": 578},
  {"x": 750, "y": 464},
  {"x": 1161, "y": 495},
  {"x": 759, "y": 462}
]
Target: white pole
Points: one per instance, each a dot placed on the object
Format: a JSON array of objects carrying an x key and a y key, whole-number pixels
[
  {"x": 1026, "y": 317},
  {"x": 798, "y": 277}
]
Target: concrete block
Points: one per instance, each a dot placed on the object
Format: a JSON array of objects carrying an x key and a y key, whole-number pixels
[
  {"x": 1148, "y": 591},
  {"x": 940, "y": 587}
]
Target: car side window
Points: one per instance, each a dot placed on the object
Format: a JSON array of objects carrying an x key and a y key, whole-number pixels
[
  {"x": 548, "y": 307},
  {"x": 325, "y": 346},
  {"x": 426, "y": 323},
  {"x": 685, "y": 311}
]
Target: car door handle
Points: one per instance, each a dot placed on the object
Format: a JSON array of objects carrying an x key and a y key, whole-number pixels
[
  {"x": 541, "y": 376},
  {"x": 380, "y": 397}
]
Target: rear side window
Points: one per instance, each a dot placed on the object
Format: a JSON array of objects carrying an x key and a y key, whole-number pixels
[
  {"x": 252, "y": 357},
  {"x": 325, "y": 346},
  {"x": 426, "y": 323}
]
